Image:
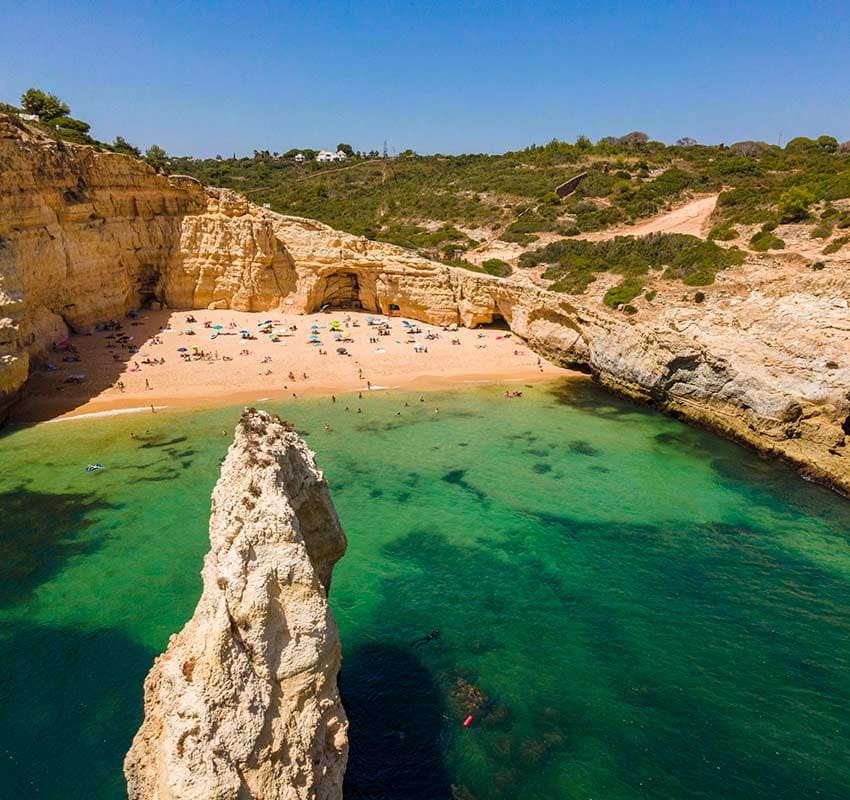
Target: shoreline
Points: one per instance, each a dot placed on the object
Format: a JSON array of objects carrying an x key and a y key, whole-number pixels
[{"x": 99, "y": 408}]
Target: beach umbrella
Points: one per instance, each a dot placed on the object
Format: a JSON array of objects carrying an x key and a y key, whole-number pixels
[
  {"x": 314, "y": 327},
  {"x": 244, "y": 331},
  {"x": 182, "y": 349},
  {"x": 218, "y": 327}
]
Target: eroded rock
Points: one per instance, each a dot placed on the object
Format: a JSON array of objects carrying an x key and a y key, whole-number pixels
[{"x": 244, "y": 701}]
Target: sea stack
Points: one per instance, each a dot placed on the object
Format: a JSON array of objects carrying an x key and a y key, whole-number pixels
[{"x": 244, "y": 702}]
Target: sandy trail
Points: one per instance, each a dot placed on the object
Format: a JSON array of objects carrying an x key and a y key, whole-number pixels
[
  {"x": 691, "y": 218},
  {"x": 268, "y": 370}
]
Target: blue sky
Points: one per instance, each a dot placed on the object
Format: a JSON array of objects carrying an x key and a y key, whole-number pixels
[{"x": 224, "y": 77}]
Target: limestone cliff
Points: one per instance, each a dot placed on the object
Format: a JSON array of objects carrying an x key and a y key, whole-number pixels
[
  {"x": 85, "y": 236},
  {"x": 244, "y": 701}
]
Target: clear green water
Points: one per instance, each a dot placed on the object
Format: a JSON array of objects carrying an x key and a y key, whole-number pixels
[{"x": 650, "y": 611}]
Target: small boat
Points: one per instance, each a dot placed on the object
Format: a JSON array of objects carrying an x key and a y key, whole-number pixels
[{"x": 94, "y": 467}]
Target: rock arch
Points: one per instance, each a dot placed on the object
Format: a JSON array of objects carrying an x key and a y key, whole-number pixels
[{"x": 346, "y": 288}]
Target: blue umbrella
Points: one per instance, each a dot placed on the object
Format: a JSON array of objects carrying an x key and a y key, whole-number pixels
[{"x": 182, "y": 349}]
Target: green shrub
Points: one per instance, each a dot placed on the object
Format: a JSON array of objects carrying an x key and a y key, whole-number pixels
[
  {"x": 836, "y": 245},
  {"x": 71, "y": 124},
  {"x": 764, "y": 241},
  {"x": 818, "y": 265},
  {"x": 623, "y": 292},
  {"x": 794, "y": 204},
  {"x": 699, "y": 297},
  {"x": 723, "y": 232},
  {"x": 823, "y": 230},
  {"x": 630, "y": 309},
  {"x": 495, "y": 266},
  {"x": 650, "y": 295},
  {"x": 519, "y": 238}
]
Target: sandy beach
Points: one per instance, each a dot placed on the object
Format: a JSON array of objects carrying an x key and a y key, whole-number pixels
[{"x": 123, "y": 371}]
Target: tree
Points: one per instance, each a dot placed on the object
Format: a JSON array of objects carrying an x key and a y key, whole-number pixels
[
  {"x": 794, "y": 204},
  {"x": 685, "y": 141},
  {"x": 121, "y": 145},
  {"x": 634, "y": 138},
  {"x": 346, "y": 148},
  {"x": 801, "y": 144},
  {"x": 45, "y": 106},
  {"x": 583, "y": 143},
  {"x": 828, "y": 143},
  {"x": 156, "y": 157}
]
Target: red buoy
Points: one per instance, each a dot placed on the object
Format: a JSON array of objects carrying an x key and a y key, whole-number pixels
[{"x": 468, "y": 721}]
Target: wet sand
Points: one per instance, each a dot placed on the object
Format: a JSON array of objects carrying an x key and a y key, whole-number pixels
[{"x": 269, "y": 370}]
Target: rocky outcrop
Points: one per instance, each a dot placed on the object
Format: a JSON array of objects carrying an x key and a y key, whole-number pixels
[
  {"x": 244, "y": 701},
  {"x": 86, "y": 235}
]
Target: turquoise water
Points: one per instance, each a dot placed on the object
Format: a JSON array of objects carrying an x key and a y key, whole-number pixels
[{"x": 649, "y": 611}]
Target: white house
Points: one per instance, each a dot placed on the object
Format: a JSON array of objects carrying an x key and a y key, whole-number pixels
[
  {"x": 324, "y": 155},
  {"x": 299, "y": 157},
  {"x": 29, "y": 117}
]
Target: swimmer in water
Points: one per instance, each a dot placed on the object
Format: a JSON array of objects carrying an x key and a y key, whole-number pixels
[{"x": 431, "y": 637}]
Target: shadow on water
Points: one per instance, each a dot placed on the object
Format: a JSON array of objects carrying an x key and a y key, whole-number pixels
[
  {"x": 39, "y": 533},
  {"x": 396, "y": 713},
  {"x": 589, "y": 396},
  {"x": 731, "y": 600},
  {"x": 70, "y": 702},
  {"x": 457, "y": 477}
]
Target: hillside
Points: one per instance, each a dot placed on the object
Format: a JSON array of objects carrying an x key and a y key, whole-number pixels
[{"x": 449, "y": 205}]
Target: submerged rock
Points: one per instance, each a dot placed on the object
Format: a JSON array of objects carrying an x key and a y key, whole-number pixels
[{"x": 244, "y": 701}]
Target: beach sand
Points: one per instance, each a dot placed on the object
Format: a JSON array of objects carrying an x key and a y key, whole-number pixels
[{"x": 230, "y": 376}]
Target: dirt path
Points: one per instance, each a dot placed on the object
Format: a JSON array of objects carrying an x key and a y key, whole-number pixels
[{"x": 691, "y": 218}]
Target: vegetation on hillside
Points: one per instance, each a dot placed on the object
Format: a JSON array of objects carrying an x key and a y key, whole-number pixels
[
  {"x": 53, "y": 119},
  {"x": 443, "y": 205},
  {"x": 574, "y": 263}
]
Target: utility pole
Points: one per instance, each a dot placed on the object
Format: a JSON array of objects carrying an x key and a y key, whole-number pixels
[
  {"x": 779, "y": 139},
  {"x": 386, "y": 154}
]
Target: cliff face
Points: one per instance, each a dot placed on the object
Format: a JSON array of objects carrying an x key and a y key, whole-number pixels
[
  {"x": 85, "y": 236},
  {"x": 244, "y": 701}
]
